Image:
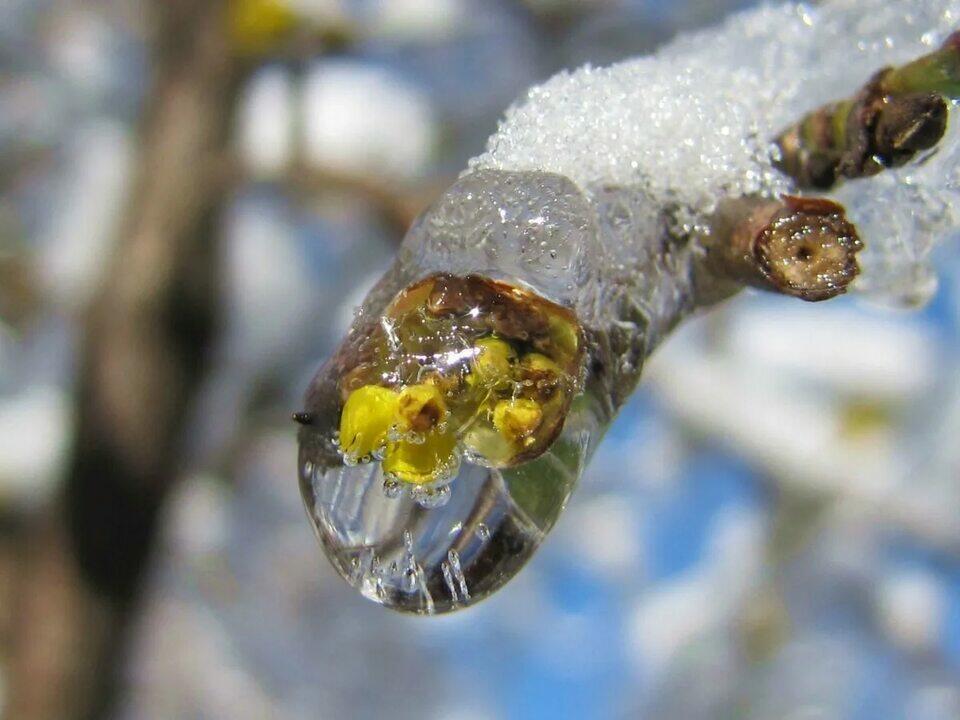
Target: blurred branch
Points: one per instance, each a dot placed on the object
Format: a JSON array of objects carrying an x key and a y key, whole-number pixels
[
  {"x": 19, "y": 291},
  {"x": 145, "y": 346},
  {"x": 398, "y": 203}
]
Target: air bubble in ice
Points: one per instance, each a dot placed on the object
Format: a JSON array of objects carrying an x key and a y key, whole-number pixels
[{"x": 431, "y": 497}]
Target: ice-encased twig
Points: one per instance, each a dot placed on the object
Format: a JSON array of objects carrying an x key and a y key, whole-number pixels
[{"x": 600, "y": 193}]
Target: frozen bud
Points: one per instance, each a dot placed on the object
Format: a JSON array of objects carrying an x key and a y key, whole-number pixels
[
  {"x": 367, "y": 417},
  {"x": 809, "y": 249},
  {"x": 517, "y": 420},
  {"x": 458, "y": 355},
  {"x": 459, "y": 436}
]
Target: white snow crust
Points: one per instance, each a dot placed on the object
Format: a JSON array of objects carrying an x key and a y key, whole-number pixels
[{"x": 693, "y": 124}]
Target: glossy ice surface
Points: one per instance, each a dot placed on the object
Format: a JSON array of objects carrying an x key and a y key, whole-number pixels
[{"x": 434, "y": 559}]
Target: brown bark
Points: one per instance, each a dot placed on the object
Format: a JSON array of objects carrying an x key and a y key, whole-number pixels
[{"x": 144, "y": 353}]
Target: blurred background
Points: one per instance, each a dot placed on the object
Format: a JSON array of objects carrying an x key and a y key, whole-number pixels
[{"x": 194, "y": 194}]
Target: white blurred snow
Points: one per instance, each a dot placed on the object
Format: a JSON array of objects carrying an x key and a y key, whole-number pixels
[
  {"x": 34, "y": 438},
  {"x": 81, "y": 225},
  {"x": 266, "y": 122},
  {"x": 417, "y": 20},
  {"x": 674, "y": 615},
  {"x": 780, "y": 389},
  {"x": 911, "y": 604},
  {"x": 364, "y": 120}
]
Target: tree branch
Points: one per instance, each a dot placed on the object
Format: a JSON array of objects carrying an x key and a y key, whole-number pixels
[
  {"x": 144, "y": 354},
  {"x": 805, "y": 247},
  {"x": 899, "y": 113}
]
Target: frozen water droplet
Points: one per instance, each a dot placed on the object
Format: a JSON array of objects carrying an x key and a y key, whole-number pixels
[
  {"x": 699, "y": 131},
  {"x": 453, "y": 560},
  {"x": 410, "y": 579},
  {"x": 406, "y": 552},
  {"x": 454, "y": 578},
  {"x": 448, "y": 579},
  {"x": 306, "y": 472},
  {"x": 391, "y": 488},
  {"x": 430, "y": 498}
]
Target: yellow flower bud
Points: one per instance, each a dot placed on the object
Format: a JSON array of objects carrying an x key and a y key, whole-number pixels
[
  {"x": 420, "y": 408},
  {"x": 493, "y": 362},
  {"x": 420, "y": 463},
  {"x": 366, "y": 418},
  {"x": 517, "y": 420}
]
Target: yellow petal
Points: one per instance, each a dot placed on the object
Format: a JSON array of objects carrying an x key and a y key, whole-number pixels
[
  {"x": 493, "y": 363},
  {"x": 366, "y": 418},
  {"x": 420, "y": 463}
]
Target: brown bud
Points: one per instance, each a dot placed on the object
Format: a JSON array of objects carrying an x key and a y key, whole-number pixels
[
  {"x": 450, "y": 296},
  {"x": 908, "y": 125}
]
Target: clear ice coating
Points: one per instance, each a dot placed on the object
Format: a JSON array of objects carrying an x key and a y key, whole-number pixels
[
  {"x": 462, "y": 318},
  {"x": 428, "y": 496}
]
